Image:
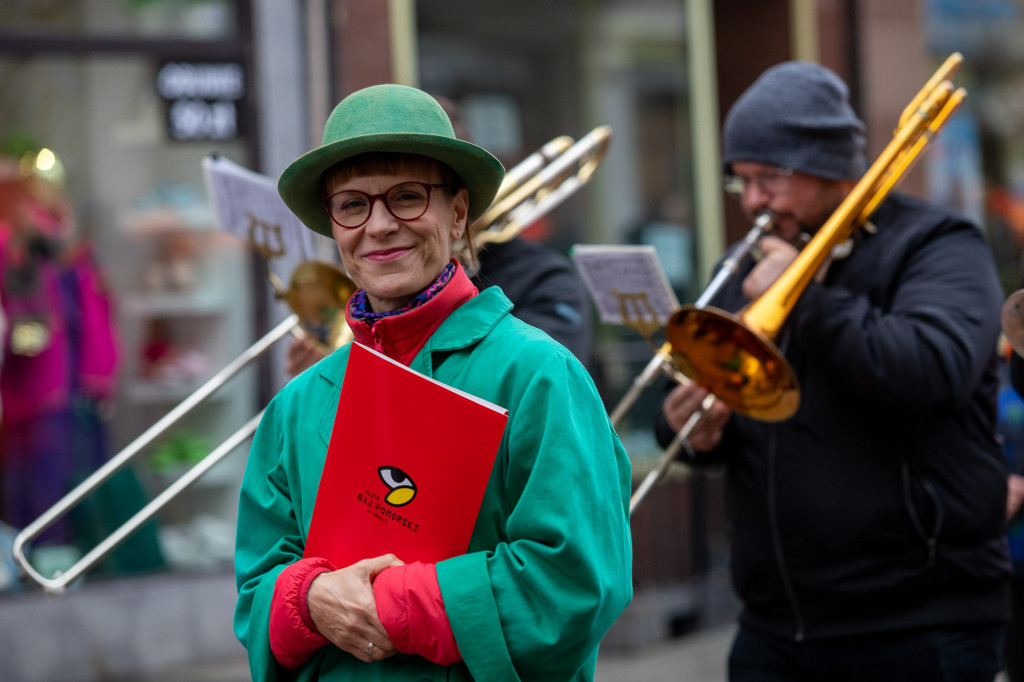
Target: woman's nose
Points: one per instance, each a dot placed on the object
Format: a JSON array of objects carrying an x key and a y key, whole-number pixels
[{"x": 380, "y": 220}]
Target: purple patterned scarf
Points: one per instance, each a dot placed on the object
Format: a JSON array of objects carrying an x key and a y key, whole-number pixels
[{"x": 359, "y": 310}]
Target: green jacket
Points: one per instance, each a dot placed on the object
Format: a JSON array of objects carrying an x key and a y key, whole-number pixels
[{"x": 548, "y": 568}]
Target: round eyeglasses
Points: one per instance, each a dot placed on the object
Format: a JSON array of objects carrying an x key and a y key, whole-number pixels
[
  {"x": 772, "y": 182},
  {"x": 351, "y": 208}
]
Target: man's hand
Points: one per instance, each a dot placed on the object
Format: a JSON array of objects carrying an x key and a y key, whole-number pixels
[
  {"x": 777, "y": 254},
  {"x": 1014, "y": 495},
  {"x": 342, "y": 608},
  {"x": 301, "y": 355},
  {"x": 682, "y": 402}
]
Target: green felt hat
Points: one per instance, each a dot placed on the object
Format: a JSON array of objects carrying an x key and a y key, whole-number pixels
[{"x": 387, "y": 118}]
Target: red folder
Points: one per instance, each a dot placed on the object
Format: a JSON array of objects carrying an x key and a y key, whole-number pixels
[{"x": 406, "y": 468}]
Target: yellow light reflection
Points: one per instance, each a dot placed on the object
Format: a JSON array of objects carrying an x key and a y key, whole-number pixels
[{"x": 45, "y": 160}]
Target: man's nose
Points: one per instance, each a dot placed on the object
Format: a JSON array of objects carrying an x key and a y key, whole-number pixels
[{"x": 754, "y": 198}]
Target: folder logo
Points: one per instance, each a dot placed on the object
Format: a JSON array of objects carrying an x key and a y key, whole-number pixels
[{"x": 403, "y": 490}]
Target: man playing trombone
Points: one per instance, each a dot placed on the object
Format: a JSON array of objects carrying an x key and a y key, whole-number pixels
[{"x": 867, "y": 529}]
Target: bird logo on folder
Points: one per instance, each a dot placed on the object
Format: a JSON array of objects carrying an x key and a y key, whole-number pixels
[
  {"x": 403, "y": 490},
  {"x": 394, "y": 426}
]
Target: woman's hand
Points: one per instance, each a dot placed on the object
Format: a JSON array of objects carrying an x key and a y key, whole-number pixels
[
  {"x": 342, "y": 608},
  {"x": 685, "y": 399}
]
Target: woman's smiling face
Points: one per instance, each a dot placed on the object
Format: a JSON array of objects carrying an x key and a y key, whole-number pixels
[{"x": 393, "y": 259}]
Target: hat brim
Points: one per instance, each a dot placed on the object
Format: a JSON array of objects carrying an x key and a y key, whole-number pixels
[{"x": 301, "y": 183}]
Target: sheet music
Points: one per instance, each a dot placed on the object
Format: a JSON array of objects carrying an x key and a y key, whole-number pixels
[
  {"x": 248, "y": 205},
  {"x": 614, "y": 273}
]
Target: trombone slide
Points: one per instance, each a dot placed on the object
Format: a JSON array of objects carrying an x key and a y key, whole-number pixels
[
  {"x": 533, "y": 189},
  {"x": 764, "y": 222},
  {"x": 681, "y": 441},
  {"x": 60, "y": 582},
  {"x": 660, "y": 362}
]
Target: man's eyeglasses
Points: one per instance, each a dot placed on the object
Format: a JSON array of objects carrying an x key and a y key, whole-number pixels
[
  {"x": 772, "y": 182},
  {"x": 351, "y": 208}
]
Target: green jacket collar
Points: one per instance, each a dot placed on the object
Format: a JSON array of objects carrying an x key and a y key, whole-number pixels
[{"x": 464, "y": 327}]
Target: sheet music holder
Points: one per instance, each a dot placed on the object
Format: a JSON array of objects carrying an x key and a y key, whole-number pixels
[
  {"x": 248, "y": 205},
  {"x": 619, "y": 275}
]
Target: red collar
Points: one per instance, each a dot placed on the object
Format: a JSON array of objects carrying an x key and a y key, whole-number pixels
[{"x": 402, "y": 336}]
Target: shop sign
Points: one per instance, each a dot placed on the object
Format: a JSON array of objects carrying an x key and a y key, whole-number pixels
[{"x": 202, "y": 99}]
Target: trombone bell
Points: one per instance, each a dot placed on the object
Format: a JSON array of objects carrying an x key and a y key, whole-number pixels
[
  {"x": 1012, "y": 319},
  {"x": 741, "y": 367},
  {"x": 317, "y": 293}
]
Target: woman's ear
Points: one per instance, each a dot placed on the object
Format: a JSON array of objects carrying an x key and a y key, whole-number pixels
[{"x": 460, "y": 211}]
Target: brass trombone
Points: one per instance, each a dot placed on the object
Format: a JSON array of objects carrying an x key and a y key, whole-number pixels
[
  {"x": 317, "y": 294},
  {"x": 735, "y": 356}
]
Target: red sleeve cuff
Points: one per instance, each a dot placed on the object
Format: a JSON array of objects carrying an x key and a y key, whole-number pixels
[
  {"x": 410, "y": 607},
  {"x": 293, "y": 639}
]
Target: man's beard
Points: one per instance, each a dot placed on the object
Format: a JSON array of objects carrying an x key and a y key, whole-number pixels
[{"x": 810, "y": 228}]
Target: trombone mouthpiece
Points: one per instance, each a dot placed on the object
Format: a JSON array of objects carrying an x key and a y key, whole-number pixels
[{"x": 764, "y": 221}]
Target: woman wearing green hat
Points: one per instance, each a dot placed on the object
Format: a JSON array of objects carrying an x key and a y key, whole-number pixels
[{"x": 548, "y": 569}]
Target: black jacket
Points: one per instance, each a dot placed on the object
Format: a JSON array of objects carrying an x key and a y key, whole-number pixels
[
  {"x": 545, "y": 290},
  {"x": 880, "y": 504}
]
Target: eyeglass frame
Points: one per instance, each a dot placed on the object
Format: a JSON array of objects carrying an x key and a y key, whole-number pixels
[
  {"x": 735, "y": 185},
  {"x": 383, "y": 196}
]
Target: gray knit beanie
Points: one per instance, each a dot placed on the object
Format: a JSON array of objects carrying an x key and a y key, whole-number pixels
[{"x": 796, "y": 115}]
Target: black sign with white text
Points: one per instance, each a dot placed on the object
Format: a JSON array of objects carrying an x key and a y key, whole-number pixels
[{"x": 202, "y": 99}]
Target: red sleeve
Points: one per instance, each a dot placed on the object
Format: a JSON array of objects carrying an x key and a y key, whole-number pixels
[
  {"x": 293, "y": 639},
  {"x": 410, "y": 607}
]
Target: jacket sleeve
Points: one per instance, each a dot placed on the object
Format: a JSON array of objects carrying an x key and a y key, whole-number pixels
[
  {"x": 411, "y": 609},
  {"x": 536, "y": 604},
  {"x": 268, "y": 539},
  {"x": 293, "y": 637},
  {"x": 928, "y": 343}
]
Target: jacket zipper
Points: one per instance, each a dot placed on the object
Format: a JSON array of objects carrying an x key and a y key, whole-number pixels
[
  {"x": 931, "y": 540},
  {"x": 780, "y": 560}
]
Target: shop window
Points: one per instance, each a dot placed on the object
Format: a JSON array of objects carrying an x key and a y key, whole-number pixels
[
  {"x": 182, "y": 305},
  {"x": 186, "y": 19}
]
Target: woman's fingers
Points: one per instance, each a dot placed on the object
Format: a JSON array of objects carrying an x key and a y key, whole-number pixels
[{"x": 342, "y": 607}]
